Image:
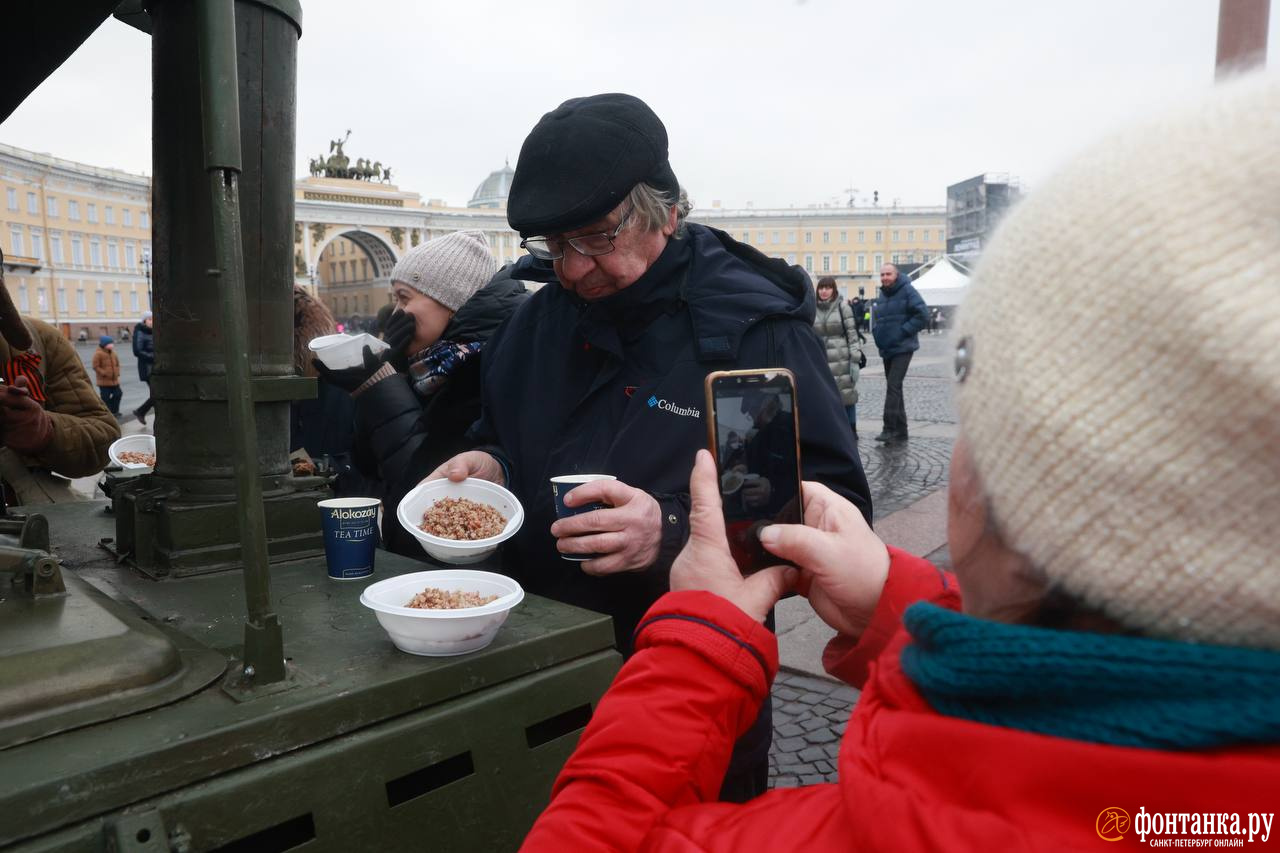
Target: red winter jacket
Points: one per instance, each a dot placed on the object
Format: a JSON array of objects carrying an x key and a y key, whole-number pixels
[{"x": 648, "y": 767}]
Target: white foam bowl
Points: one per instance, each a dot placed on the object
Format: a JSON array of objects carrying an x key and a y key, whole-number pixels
[
  {"x": 459, "y": 552},
  {"x": 438, "y": 633},
  {"x": 140, "y": 443},
  {"x": 337, "y": 352}
]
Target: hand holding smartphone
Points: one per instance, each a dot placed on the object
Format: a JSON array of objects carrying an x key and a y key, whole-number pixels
[{"x": 753, "y": 432}]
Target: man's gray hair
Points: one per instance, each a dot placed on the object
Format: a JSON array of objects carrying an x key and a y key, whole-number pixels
[{"x": 652, "y": 207}]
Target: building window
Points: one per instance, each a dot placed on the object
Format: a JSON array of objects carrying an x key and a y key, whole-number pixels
[
  {"x": 95, "y": 252},
  {"x": 77, "y": 252},
  {"x": 826, "y": 236},
  {"x": 895, "y": 235},
  {"x": 879, "y": 261},
  {"x": 924, "y": 235},
  {"x": 117, "y": 302},
  {"x": 62, "y": 300},
  {"x": 33, "y": 204},
  {"x": 775, "y": 236},
  {"x": 879, "y": 234},
  {"x": 808, "y": 236},
  {"x": 144, "y": 220},
  {"x": 101, "y": 301},
  {"x": 13, "y": 198},
  {"x": 844, "y": 236},
  {"x": 113, "y": 255},
  {"x": 110, "y": 215},
  {"x": 73, "y": 210},
  {"x": 130, "y": 256},
  {"x": 826, "y": 263},
  {"x": 133, "y": 301},
  {"x": 746, "y": 236},
  {"x": 15, "y": 240},
  {"x": 791, "y": 236},
  {"x": 862, "y": 236},
  {"x": 24, "y": 300},
  {"x": 80, "y": 304},
  {"x": 51, "y": 206},
  {"x": 911, "y": 236},
  {"x": 808, "y": 262},
  {"x": 55, "y": 248},
  {"x": 37, "y": 244},
  {"x": 126, "y": 216},
  {"x": 791, "y": 259},
  {"x": 844, "y": 263},
  {"x": 895, "y": 258},
  {"x": 93, "y": 212},
  {"x": 42, "y": 300},
  {"x": 759, "y": 238},
  {"x": 862, "y": 262}
]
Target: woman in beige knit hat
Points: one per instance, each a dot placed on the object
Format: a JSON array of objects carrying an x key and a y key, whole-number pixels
[
  {"x": 415, "y": 404},
  {"x": 1105, "y": 661}
]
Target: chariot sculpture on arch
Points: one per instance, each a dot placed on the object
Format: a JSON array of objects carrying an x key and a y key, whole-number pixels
[{"x": 336, "y": 164}]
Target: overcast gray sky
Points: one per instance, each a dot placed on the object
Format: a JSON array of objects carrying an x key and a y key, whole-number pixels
[{"x": 774, "y": 102}]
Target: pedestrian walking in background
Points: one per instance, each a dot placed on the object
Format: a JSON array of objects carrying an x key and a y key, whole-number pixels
[
  {"x": 144, "y": 347},
  {"x": 836, "y": 324},
  {"x": 858, "y": 306},
  {"x": 106, "y": 370},
  {"x": 898, "y": 315}
]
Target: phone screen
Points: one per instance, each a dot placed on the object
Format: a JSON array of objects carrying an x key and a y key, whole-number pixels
[{"x": 758, "y": 458}]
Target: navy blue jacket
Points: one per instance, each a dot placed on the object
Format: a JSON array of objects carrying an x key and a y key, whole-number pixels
[
  {"x": 897, "y": 316},
  {"x": 616, "y": 386},
  {"x": 144, "y": 348}
]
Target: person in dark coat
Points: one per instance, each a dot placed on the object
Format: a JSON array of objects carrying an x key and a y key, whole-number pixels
[
  {"x": 897, "y": 318},
  {"x": 604, "y": 373},
  {"x": 144, "y": 348},
  {"x": 413, "y": 409}
]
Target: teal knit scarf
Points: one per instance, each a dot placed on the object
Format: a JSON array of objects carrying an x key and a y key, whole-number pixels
[{"x": 1104, "y": 688}]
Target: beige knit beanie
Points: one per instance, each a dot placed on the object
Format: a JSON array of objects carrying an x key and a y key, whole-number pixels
[
  {"x": 449, "y": 269},
  {"x": 1122, "y": 399}
]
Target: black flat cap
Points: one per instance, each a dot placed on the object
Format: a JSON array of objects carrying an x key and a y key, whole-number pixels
[{"x": 582, "y": 158}]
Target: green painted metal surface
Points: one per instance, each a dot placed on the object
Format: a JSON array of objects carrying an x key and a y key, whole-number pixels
[{"x": 354, "y": 715}]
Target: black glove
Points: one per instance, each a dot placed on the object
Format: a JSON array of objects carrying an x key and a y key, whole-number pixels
[
  {"x": 350, "y": 378},
  {"x": 398, "y": 334}
]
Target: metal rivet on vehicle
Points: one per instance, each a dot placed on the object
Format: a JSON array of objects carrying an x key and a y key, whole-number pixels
[{"x": 964, "y": 358}]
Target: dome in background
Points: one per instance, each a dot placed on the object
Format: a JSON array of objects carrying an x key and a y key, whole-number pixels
[{"x": 493, "y": 191}]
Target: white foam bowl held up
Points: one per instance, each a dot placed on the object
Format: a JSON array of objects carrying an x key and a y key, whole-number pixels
[
  {"x": 438, "y": 633},
  {"x": 337, "y": 352},
  {"x": 140, "y": 443},
  {"x": 459, "y": 552}
]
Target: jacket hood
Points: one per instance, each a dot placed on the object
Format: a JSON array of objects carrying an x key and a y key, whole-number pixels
[
  {"x": 739, "y": 287},
  {"x": 484, "y": 312}
]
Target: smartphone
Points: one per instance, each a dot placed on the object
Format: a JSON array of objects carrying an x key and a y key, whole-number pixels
[{"x": 754, "y": 433}]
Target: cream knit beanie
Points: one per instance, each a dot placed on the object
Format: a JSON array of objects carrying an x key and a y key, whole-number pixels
[
  {"x": 1122, "y": 399},
  {"x": 449, "y": 269}
]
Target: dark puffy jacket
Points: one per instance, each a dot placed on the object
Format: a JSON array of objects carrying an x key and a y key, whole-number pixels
[
  {"x": 400, "y": 439},
  {"x": 145, "y": 349},
  {"x": 897, "y": 316},
  {"x": 616, "y": 387}
]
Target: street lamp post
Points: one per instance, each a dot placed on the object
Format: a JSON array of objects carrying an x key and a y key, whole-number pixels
[{"x": 146, "y": 270}]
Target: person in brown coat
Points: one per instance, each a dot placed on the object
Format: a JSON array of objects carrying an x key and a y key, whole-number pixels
[
  {"x": 106, "y": 367},
  {"x": 52, "y": 424}
]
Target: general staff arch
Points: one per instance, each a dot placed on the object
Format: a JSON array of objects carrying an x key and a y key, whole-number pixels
[{"x": 350, "y": 234}]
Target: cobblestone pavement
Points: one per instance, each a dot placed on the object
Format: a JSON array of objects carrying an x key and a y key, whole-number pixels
[{"x": 810, "y": 714}]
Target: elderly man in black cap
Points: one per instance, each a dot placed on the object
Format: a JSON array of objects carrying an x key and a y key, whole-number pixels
[{"x": 604, "y": 373}]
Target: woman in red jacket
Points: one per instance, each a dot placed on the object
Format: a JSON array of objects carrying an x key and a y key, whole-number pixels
[{"x": 1104, "y": 666}]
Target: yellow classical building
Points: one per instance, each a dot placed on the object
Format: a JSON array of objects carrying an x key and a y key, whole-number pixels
[
  {"x": 848, "y": 243},
  {"x": 77, "y": 242}
]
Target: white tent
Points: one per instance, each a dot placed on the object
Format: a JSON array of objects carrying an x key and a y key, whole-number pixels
[{"x": 943, "y": 284}]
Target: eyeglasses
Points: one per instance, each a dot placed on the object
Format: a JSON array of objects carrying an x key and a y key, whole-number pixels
[{"x": 552, "y": 248}]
